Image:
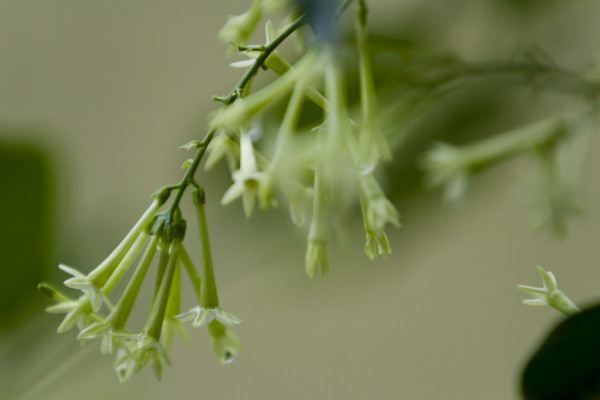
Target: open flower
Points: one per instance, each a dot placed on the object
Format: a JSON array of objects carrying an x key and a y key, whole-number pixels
[
  {"x": 78, "y": 312},
  {"x": 83, "y": 283},
  {"x": 136, "y": 352},
  {"x": 203, "y": 316},
  {"x": 112, "y": 338},
  {"x": 548, "y": 294},
  {"x": 246, "y": 179}
]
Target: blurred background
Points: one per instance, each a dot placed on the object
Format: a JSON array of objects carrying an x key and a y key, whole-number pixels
[{"x": 95, "y": 98}]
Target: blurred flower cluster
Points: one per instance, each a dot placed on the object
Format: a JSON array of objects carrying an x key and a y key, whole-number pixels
[
  {"x": 328, "y": 159},
  {"x": 557, "y": 143}
]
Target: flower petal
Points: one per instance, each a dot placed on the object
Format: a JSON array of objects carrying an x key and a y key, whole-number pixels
[
  {"x": 188, "y": 315},
  {"x": 226, "y": 318},
  {"x": 204, "y": 317},
  {"x": 71, "y": 271}
]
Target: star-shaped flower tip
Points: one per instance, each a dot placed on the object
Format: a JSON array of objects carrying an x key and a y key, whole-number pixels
[
  {"x": 83, "y": 283},
  {"x": 246, "y": 179},
  {"x": 203, "y": 316},
  {"x": 548, "y": 294},
  {"x": 136, "y": 352},
  {"x": 78, "y": 312}
]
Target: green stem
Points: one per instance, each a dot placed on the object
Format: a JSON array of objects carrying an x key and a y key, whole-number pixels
[
  {"x": 290, "y": 119},
  {"x": 318, "y": 228},
  {"x": 191, "y": 271},
  {"x": 121, "y": 312},
  {"x": 515, "y": 141},
  {"x": 101, "y": 273},
  {"x": 208, "y": 287},
  {"x": 233, "y": 95},
  {"x": 124, "y": 264},
  {"x": 239, "y": 88},
  {"x": 163, "y": 260},
  {"x": 157, "y": 313},
  {"x": 367, "y": 86},
  {"x": 334, "y": 92}
]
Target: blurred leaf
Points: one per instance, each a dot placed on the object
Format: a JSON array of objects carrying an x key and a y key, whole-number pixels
[
  {"x": 567, "y": 365},
  {"x": 25, "y": 241}
]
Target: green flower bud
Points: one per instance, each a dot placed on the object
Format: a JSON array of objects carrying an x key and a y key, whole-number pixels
[{"x": 549, "y": 294}]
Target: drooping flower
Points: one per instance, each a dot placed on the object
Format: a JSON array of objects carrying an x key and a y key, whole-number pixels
[
  {"x": 81, "y": 282},
  {"x": 78, "y": 311},
  {"x": 208, "y": 313},
  {"x": 378, "y": 211},
  {"x": 246, "y": 178},
  {"x": 135, "y": 353}
]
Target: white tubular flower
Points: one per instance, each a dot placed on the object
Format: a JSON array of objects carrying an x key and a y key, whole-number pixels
[
  {"x": 81, "y": 282},
  {"x": 222, "y": 146},
  {"x": 245, "y": 180},
  {"x": 78, "y": 312},
  {"x": 548, "y": 294}
]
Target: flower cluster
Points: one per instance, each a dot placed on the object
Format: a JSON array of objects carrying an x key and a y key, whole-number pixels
[
  {"x": 156, "y": 236},
  {"x": 328, "y": 161},
  {"x": 331, "y": 158}
]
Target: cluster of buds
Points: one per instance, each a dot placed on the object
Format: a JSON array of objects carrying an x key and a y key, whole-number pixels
[
  {"x": 331, "y": 158},
  {"x": 156, "y": 236}
]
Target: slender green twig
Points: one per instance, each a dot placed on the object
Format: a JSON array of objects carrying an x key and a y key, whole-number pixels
[
  {"x": 266, "y": 52},
  {"x": 228, "y": 100},
  {"x": 232, "y": 97}
]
